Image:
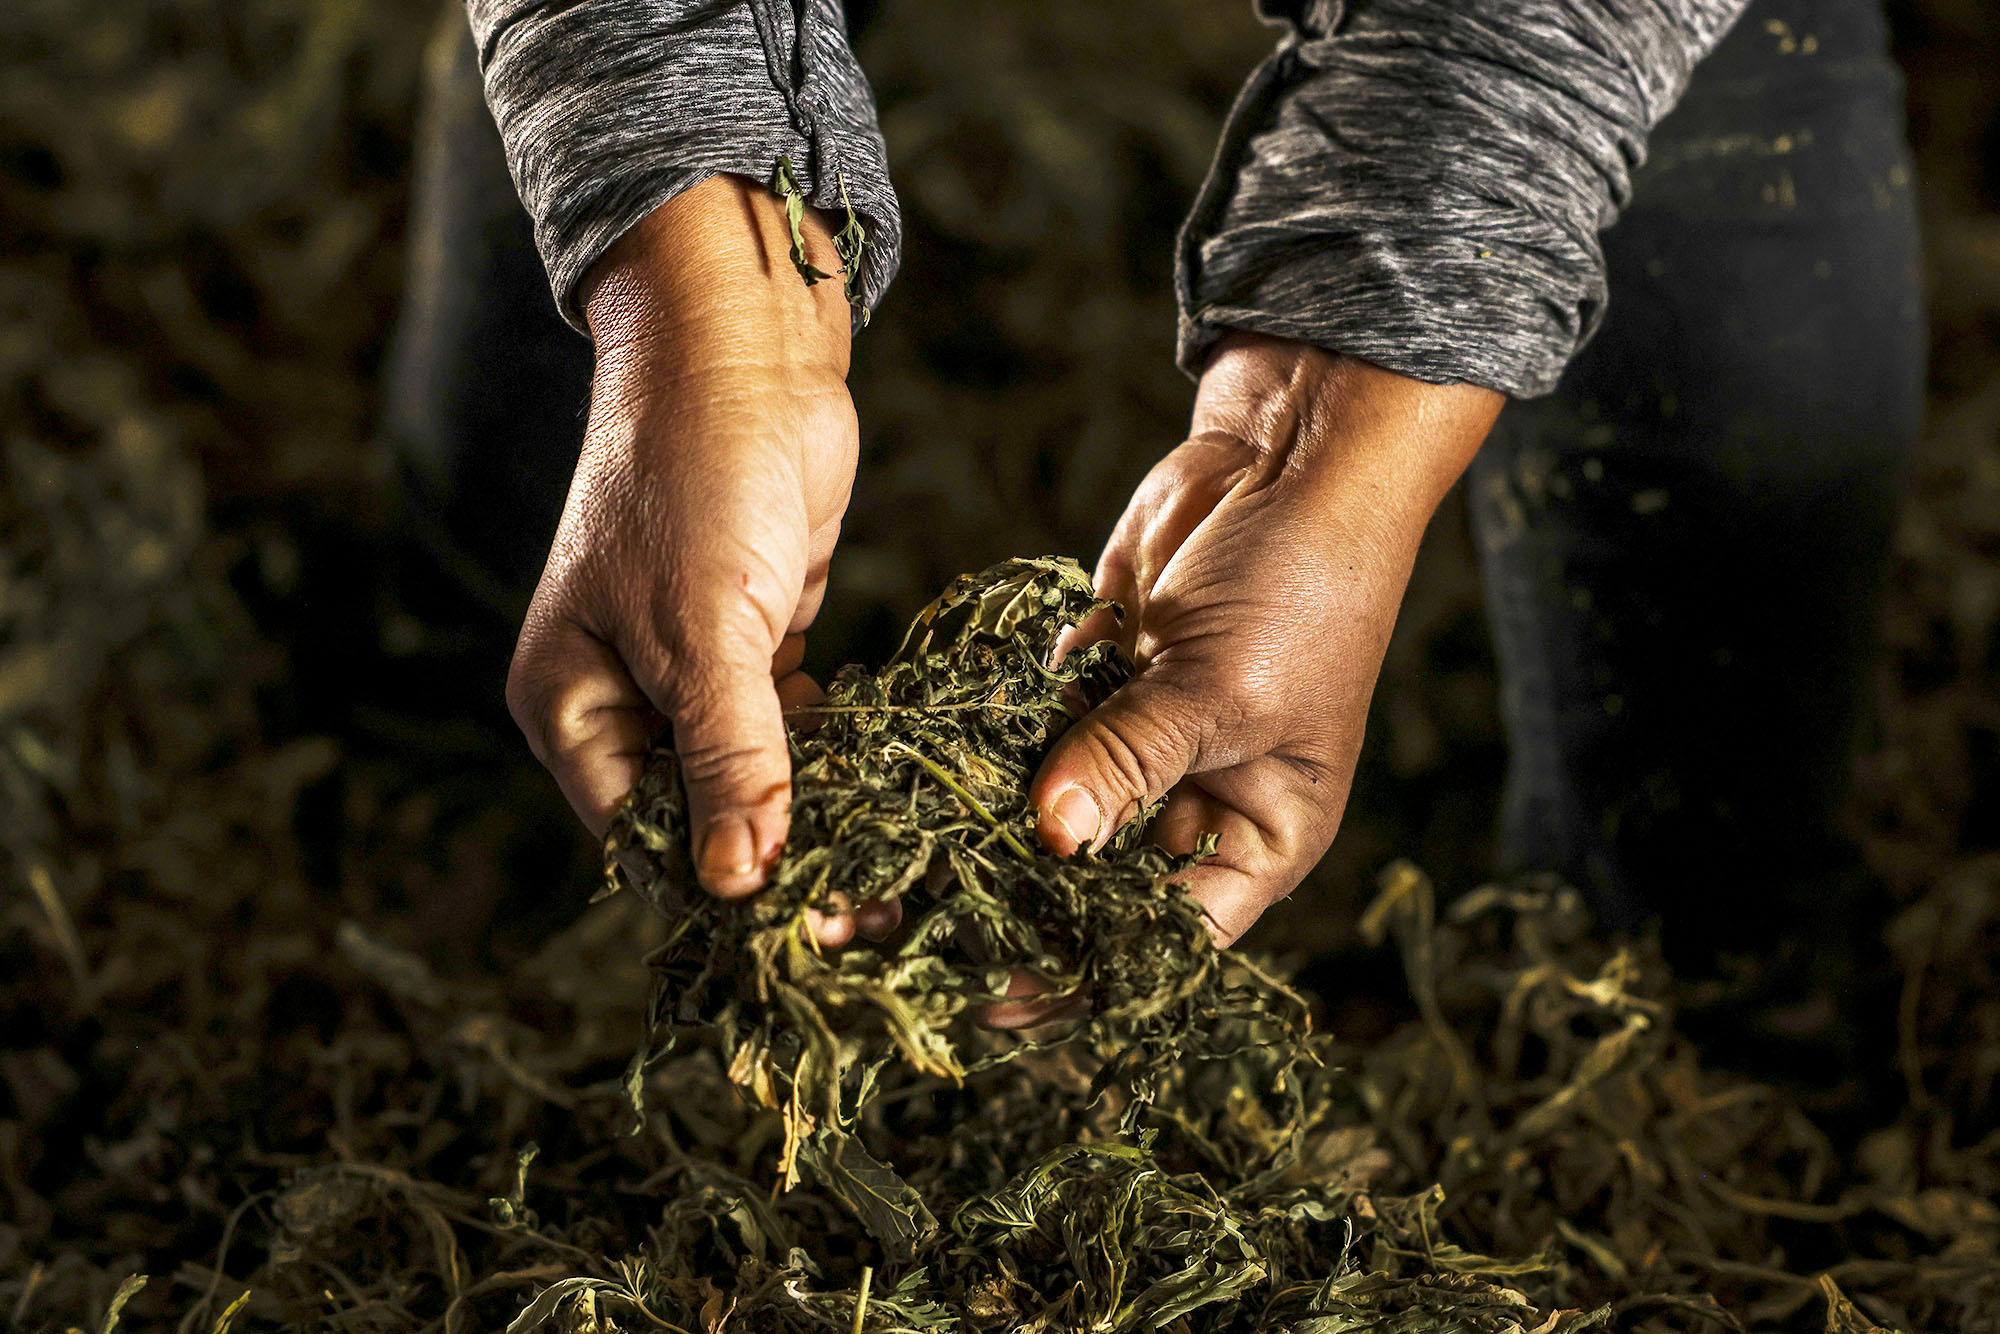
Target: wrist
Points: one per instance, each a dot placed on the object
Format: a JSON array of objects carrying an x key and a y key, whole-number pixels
[
  {"x": 1347, "y": 430},
  {"x": 709, "y": 275}
]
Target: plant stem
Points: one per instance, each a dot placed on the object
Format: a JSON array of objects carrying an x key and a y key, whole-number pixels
[
  {"x": 938, "y": 772},
  {"x": 861, "y": 1302}
]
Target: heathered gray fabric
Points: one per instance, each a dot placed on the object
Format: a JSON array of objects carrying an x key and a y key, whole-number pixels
[
  {"x": 1420, "y": 183},
  {"x": 609, "y": 108}
]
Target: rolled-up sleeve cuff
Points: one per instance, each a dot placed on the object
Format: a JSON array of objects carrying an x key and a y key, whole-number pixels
[
  {"x": 1445, "y": 310},
  {"x": 1422, "y": 184},
  {"x": 609, "y": 108}
]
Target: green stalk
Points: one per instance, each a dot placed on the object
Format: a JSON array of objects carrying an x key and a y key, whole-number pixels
[{"x": 938, "y": 772}]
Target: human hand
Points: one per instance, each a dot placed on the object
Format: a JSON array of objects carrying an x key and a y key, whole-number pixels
[
  {"x": 1260, "y": 565},
  {"x": 693, "y": 549}
]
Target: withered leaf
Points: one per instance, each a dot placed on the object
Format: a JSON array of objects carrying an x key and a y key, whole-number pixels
[{"x": 892, "y": 1211}]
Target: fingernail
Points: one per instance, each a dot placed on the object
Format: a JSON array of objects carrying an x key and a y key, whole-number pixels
[
  {"x": 832, "y": 929},
  {"x": 727, "y": 850},
  {"x": 1079, "y": 815}
]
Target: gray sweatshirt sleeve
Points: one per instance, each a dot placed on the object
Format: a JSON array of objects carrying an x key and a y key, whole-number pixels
[
  {"x": 608, "y": 108},
  {"x": 1420, "y": 183}
]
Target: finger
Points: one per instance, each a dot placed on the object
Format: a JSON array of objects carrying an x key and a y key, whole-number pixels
[
  {"x": 584, "y": 717},
  {"x": 1029, "y": 1005},
  {"x": 729, "y": 731},
  {"x": 833, "y": 925},
  {"x": 1130, "y": 749},
  {"x": 839, "y": 921},
  {"x": 790, "y": 653},
  {"x": 1259, "y": 859},
  {"x": 1231, "y": 885},
  {"x": 1100, "y": 625},
  {"x": 1114, "y": 583},
  {"x": 797, "y": 692},
  {"x": 1176, "y": 498},
  {"x": 812, "y": 593},
  {"x": 877, "y": 919}
]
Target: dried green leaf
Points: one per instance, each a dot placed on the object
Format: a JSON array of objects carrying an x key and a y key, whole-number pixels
[{"x": 892, "y": 1211}]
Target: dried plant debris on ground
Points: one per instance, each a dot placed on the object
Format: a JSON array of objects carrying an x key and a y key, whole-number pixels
[
  {"x": 830, "y": 1142},
  {"x": 286, "y": 1122}
]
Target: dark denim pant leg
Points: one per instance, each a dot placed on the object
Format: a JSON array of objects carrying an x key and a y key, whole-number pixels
[
  {"x": 1684, "y": 548},
  {"x": 485, "y": 388}
]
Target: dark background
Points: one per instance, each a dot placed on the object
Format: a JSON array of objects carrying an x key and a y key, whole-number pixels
[{"x": 235, "y": 707}]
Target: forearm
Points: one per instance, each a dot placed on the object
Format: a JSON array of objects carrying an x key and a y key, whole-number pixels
[
  {"x": 715, "y": 258},
  {"x": 610, "y": 108},
  {"x": 1422, "y": 186}
]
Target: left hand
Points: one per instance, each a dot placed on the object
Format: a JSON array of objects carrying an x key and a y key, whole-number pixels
[{"x": 1260, "y": 565}]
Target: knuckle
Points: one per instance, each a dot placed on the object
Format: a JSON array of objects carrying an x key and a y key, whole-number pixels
[
  {"x": 733, "y": 771},
  {"x": 558, "y": 707},
  {"x": 702, "y": 654},
  {"x": 709, "y": 761},
  {"x": 527, "y": 698},
  {"x": 1135, "y": 760},
  {"x": 698, "y": 688},
  {"x": 1320, "y": 773}
]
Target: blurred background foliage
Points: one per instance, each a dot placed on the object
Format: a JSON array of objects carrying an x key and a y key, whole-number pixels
[{"x": 223, "y": 726}]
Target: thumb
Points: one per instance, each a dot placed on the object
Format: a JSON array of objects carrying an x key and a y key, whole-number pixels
[
  {"x": 1130, "y": 749},
  {"x": 736, "y": 765}
]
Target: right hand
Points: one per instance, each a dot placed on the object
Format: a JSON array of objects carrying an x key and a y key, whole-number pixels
[{"x": 693, "y": 550}]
